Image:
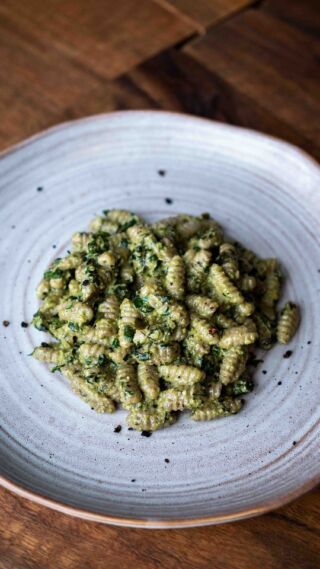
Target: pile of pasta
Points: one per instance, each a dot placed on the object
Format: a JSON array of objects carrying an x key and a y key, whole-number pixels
[{"x": 160, "y": 318}]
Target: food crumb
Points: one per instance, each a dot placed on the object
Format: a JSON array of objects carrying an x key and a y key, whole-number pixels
[
  {"x": 146, "y": 433},
  {"x": 24, "y": 324},
  {"x": 6, "y": 323},
  {"x": 117, "y": 429},
  {"x": 169, "y": 201},
  {"x": 166, "y": 460},
  {"x": 162, "y": 172},
  {"x": 287, "y": 354}
]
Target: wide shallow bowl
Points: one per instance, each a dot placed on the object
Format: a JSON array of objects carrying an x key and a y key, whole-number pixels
[{"x": 53, "y": 448}]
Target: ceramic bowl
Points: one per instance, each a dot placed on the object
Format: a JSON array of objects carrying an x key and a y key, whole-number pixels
[{"x": 53, "y": 448}]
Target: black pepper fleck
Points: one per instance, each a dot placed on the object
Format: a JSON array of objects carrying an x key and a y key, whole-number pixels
[
  {"x": 287, "y": 354},
  {"x": 6, "y": 323},
  {"x": 13, "y": 226},
  {"x": 264, "y": 371},
  {"x": 279, "y": 382},
  {"x": 166, "y": 460},
  {"x": 294, "y": 443},
  {"x": 309, "y": 342},
  {"x": 133, "y": 480},
  {"x": 143, "y": 489},
  {"x": 168, "y": 201},
  {"x": 39, "y": 189},
  {"x": 117, "y": 429},
  {"x": 54, "y": 246},
  {"x": 85, "y": 283},
  {"x": 146, "y": 433},
  {"x": 130, "y": 428},
  {"x": 45, "y": 345},
  {"x": 24, "y": 324},
  {"x": 162, "y": 172}
]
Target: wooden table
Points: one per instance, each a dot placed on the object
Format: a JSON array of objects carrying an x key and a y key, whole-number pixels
[{"x": 245, "y": 62}]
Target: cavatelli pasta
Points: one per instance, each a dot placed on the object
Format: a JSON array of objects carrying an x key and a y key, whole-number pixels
[
  {"x": 287, "y": 323},
  {"x": 232, "y": 365},
  {"x": 214, "y": 409},
  {"x": 160, "y": 318},
  {"x": 175, "y": 277},
  {"x": 148, "y": 379},
  {"x": 181, "y": 374}
]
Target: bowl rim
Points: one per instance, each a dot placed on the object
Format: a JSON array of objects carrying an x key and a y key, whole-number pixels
[{"x": 154, "y": 523}]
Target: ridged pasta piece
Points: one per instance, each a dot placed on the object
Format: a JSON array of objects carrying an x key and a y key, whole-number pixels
[
  {"x": 223, "y": 321},
  {"x": 204, "y": 306},
  {"x": 239, "y": 335},
  {"x": 126, "y": 379},
  {"x": 272, "y": 289},
  {"x": 229, "y": 261},
  {"x": 214, "y": 409},
  {"x": 110, "y": 307},
  {"x": 70, "y": 262},
  {"x": 142, "y": 417},
  {"x": 175, "y": 277},
  {"x": 43, "y": 289},
  {"x": 107, "y": 260},
  {"x": 181, "y": 374},
  {"x": 288, "y": 323},
  {"x": 165, "y": 353},
  {"x": 50, "y": 354},
  {"x": 248, "y": 283},
  {"x": 99, "y": 402},
  {"x": 214, "y": 389},
  {"x": 92, "y": 354},
  {"x": 75, "y": 312},
  {"x": 197, "y": 265},
  {"x": 127, "y": 323},
  {"x": 102, "y": 333},
  {"x": 223, "y": 287},
  {"x": 148, "y": 379},
  {"x": 208, "y": 239},
  {"x": 266, "y": 331},
  {"x": 205, "y": 331},
  {"x": 80, "y": 242},
  {"x": 179, "y": 399},
  {"x": 232, "y": 365}
]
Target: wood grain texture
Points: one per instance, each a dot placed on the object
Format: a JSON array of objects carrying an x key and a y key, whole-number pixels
[
  {"x": 108, "y": 38},
  {"x": 205, "y": 13},
  {"x": 270, "y": 63},
  {"x": 37, "y": 538}
]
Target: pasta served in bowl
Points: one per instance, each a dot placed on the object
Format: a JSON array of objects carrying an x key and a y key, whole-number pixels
[
  {"x": 160, "y": 318},
  {"x": 160, "y": 321}
]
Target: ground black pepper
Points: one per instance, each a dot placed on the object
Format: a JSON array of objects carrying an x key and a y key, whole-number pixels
[{"x": 287, "y": 354}]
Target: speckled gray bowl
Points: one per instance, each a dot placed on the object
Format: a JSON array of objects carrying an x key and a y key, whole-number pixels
[{"x": 53, "y": 448}]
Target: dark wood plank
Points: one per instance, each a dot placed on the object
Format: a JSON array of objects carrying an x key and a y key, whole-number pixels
[
  {"x": 34, "y": 537},
  {"x": 205, "y": 13},
  {"x": 303, "y": 15},
  {"x": 270, "y": 64},
  {"x": 104, "y": 36}
]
